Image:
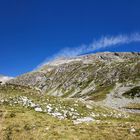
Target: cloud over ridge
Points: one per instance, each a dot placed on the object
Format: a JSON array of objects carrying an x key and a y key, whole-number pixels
[{"x": 102, "y": 43}]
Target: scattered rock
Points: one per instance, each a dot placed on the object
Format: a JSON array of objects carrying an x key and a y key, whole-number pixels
[
  {"x": 89, "y": 106},
  {"x": 38, "y": 109},
  {"x": 47, "y": 128},
  {"x": 83, "y": 120},
  {"x": 133, "y": 130}
]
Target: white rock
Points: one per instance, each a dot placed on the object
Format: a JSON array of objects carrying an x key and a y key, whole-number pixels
[
  {"x": 74, "y": 117},
  {"x": 38, "y": 109},
  {"x": 32, "y": 105},
  {"x": 65, "y": 112},
  {"x": 72, "y": 109},
  {"x": 49, "y": 108},
  {"x": 2, "y": 100},
  {"x": 47, "y": 128},
  {"x": 55, "y": 114},
  {"x": 75, "y": 104},
  {"x": 61, "y": 117},
  {"x": 76, "y": 113},
  {"x": 133, "y": 130},
  {"x": 82, "y": 120},
  {"x": 104, "y": 115},
  {"x": 89, "y": 106}
]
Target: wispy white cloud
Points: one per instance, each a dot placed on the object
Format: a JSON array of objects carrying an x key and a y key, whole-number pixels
[{"x": 103, "y": 42}]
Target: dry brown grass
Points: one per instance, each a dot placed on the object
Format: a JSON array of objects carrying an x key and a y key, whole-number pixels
[{"x": 25, "y": 124}]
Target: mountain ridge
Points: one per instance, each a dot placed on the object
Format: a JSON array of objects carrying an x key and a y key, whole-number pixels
[{"x": 90, "y": 77}]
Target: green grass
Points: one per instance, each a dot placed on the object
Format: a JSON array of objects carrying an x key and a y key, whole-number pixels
[
  {"x": 133, "y": 92},
  {"x": 101, "y": 93}
]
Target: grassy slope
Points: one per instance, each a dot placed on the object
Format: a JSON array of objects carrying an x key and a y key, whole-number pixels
[
  {"x": 17, "y": 122},
  {"x": 21, "y": 123},
  {"x": 74, "y": 77}
]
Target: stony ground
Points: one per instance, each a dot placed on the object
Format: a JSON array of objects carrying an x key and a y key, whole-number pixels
[
  {"x": 116, "y": 100},
  {"x": 26, "y": 114},
  {"x": 24, "y": 123}
]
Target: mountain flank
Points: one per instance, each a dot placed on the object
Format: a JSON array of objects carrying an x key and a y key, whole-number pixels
[
  {"x": 94, "y": 96},
  {"x": 90, "y": 77}
]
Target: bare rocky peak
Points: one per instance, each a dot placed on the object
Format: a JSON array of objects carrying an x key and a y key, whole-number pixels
[
  {"x": 63, "y": 60},
  {"x": 102, "y": 56},
  {"x": 111, "y": 56}
]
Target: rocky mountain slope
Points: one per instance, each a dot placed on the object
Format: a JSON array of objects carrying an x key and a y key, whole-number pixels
[
  {"x": 94, "y": 96},
  {"x": 90, "y": 77},
  {"x": 75, "y": 74}
]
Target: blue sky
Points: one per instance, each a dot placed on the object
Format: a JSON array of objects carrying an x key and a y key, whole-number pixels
[{"x": 33, "y": 30}]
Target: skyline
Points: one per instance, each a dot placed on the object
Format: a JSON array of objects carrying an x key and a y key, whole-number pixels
[
  {"x": 105, "y": 42},
  {"x": 32, "y": 32}
]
